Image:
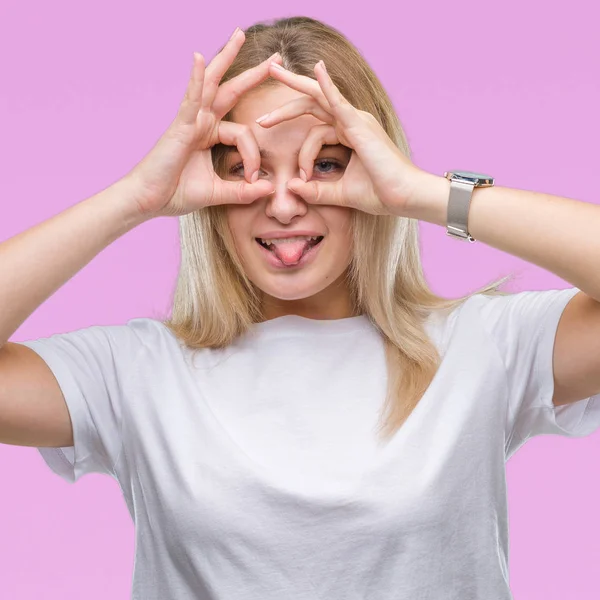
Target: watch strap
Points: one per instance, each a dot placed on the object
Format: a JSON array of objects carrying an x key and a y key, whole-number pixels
[{"x": 459, "y": 202}]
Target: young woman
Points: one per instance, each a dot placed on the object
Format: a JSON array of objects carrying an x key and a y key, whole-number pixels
[{"x": 312, "y": 421}]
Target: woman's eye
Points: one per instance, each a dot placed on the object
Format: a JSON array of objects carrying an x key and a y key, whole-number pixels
[
  {"x": 333, "y": 164},
  {"x": 236, "y": 170},
  {"x": 327, "y": 161}
]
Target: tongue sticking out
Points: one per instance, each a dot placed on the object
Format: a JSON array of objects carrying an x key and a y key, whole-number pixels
[{"x": 290, "y": 253}]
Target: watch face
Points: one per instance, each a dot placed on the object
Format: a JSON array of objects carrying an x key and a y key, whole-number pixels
[{"x": 480, "y": 178}]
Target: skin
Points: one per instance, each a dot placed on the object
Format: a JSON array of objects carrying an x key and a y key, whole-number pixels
[{"x": 317, "y": 290}]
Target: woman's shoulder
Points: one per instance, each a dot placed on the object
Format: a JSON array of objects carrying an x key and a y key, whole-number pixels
[
  {"x": 152, "y": 331},
  {"x": 150, "y": 338},
  {"x": 442, "y": 323},
  {"x": 509, "y": 318},
  {"x": 160, "y": 346},
  {"x": 149, "y": 327}
]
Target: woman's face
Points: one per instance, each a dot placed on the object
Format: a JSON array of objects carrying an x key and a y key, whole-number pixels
[{"x": 304, "y": 284}]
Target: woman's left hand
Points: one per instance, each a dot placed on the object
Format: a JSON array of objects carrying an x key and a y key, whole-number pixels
[{"x": 379, "y": 179}]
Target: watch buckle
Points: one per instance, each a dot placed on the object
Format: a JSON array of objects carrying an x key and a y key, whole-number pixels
[{"x": 459, "y": 234}]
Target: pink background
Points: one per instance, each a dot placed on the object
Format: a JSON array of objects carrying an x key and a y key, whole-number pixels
[{"x": 510, "y": 88}]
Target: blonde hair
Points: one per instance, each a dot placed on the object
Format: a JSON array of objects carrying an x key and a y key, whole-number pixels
[{"x": 214, "y": 301}]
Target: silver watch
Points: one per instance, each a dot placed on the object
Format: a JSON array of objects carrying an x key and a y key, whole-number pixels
[{"x": 462, "y": 184}]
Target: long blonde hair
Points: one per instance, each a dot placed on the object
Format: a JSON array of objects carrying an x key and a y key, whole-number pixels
[{"x": 214, "y": 301}]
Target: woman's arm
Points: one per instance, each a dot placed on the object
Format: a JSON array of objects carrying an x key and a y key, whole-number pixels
[
  {"x": 38, "y": 261},
  {"x": 33, "y": 265},
  {"x": 559, "y": 234}
]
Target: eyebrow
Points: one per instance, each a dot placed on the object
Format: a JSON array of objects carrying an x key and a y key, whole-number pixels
[{"x": 267, "y": 154}]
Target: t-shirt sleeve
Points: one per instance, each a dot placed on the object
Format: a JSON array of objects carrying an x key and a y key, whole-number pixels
[
  {"x": 94, "y": 367},
  {"x": 524, "y": 326}
]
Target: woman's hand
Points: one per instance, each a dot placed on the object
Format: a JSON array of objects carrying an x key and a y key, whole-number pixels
[
  {"x": 379, "y": 179},
  {"x": 177, "y": 176}
]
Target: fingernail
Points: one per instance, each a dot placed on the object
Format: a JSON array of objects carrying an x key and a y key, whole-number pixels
[
  {"x": 263, "y": 118},
  {"x": 254, "y": 177},
  {"x": 323, "y": 65},
  {"x": 234, "y": 33},
  {"x": 303, "y": 175},
  {"x": 277, "y": 66}
]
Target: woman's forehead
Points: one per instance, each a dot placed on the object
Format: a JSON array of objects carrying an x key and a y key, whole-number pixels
[{"x": 257, "y": 102}]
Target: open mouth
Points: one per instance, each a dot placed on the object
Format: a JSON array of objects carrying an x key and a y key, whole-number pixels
[
  {"x": 290, "y": 252},
  {"x": 311, "y": 244}
]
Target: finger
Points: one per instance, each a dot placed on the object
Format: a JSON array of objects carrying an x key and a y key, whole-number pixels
[
  {"x": 229, "y": 92},
  {"x": 240, "y": 192},
  {"x": 193, "y": 95},
  {"x": 219, "y": 65},
  {"x": 306, "y": 105},
  {"x": 343, "y": 111},
  {"x": 306, "y": 85},
  {"x": 317, "y": 137},
  {"x": 241, "y": 136},
  {"x": 318, "y": 192}
]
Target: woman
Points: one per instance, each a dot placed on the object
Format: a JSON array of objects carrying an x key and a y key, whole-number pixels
[{"x": 312, "y": 421}]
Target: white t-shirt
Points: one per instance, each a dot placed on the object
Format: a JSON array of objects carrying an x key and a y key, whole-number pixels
[{"x": 255, "y": 473}]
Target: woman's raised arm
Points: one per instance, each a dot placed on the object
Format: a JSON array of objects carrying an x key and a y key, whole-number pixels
[{"x": 33, "y": 265}]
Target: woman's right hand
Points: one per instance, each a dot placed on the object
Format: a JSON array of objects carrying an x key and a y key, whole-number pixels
[{"x": 177, "y": 177}]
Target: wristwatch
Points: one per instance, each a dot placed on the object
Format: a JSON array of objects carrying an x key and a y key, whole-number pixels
[{"x": 462, "y": 184}]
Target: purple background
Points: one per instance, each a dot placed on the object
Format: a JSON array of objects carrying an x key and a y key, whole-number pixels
[{"x": 510, "y": 88}]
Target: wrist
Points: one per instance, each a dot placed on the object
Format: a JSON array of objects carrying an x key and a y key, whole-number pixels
[
  {"x": 116, "y": 211},
  {"x": 429, "y": 201},
  {"x": 124, "y": 196}
]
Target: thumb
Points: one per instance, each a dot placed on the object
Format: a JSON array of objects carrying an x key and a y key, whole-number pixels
[
  {"x": 240, "y": 192},
  {"x": 316, "y": 192}
]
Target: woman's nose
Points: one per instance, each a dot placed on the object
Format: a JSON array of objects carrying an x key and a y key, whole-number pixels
[{"x": 283, "y": 204}]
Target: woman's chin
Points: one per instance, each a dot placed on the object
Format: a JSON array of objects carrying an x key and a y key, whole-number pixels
[
  {"x": 289, "y": 295},
  {"x": 298, "y": 284},
  {"x": 289, "y": 288}
]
